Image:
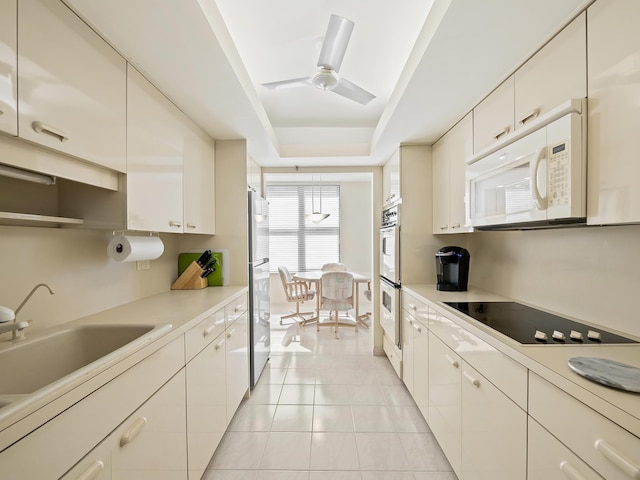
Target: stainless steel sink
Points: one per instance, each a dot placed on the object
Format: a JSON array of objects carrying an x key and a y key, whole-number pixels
[{"x": 38, "y": 362}]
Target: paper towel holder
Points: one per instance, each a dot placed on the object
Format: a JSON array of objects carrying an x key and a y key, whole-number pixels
[{"x": 119, "y": 248}]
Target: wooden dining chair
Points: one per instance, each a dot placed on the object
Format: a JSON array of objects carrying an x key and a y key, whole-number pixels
[
  {"x": 337, "y": 294},
  {"x": 296, "y": 292}
]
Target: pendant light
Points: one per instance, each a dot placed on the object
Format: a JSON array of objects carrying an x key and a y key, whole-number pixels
[{"x": 316, "y": 216}]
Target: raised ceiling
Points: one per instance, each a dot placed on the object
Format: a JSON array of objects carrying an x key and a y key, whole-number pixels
[{"x": 427, "y": 61}]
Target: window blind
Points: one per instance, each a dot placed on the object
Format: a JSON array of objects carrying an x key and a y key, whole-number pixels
[{"x": 295, "y": 241}]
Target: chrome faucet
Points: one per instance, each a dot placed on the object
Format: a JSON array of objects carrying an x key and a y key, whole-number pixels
[{"x": 6, "y": 315}]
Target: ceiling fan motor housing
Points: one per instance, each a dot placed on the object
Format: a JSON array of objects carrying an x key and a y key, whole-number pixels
[{"x": 325, "y": 79}]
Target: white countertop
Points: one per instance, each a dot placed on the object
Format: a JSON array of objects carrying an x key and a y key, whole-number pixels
[
  {"x": 175, "y": 311},
  {"x": 550, "y": 361}
]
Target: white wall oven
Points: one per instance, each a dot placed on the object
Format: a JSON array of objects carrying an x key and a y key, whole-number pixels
[{"x": 390, "y": 279}]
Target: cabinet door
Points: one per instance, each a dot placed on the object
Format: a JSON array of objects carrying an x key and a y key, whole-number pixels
[
  {"x": 151, "y": 444},
  {"x": 494, "y": 431},
  {"x": 72, "y": 85},
  {"x": 391, "y": 179},
  {"x": 206, "y": 405},
  {"x": 493, "y": 117},
  {"x": 237, "y": 357},
  {"x": 614, "y": 114},
  {"x": 441, "y": 181},
  {"x": 421, "y": 367},
  {"x": 95, "y": 466},
  {"x": 8, "y": 60},
  {"x": 445, "y": 407},
  {"x": 155, "y": 142},
  {"x": 407, "y": 332},
  {"x": 199, "y": 182},
  {"x": 548, "y": 459}
]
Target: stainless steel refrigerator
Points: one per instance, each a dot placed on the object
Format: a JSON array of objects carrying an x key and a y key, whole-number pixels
[{"x": 259, "y": 312}]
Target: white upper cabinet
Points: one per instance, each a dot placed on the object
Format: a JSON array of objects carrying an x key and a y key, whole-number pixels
[
  {"x": 391, "y": 179},
  {"x": 555, "y": 74},
  {"x": 614, "y": 112},
  {"x": 155, "y": 152},
  {"x": 493, "y": 117},
  {"x": 449, "y": 157},
  {"x": 8, "y": 60},
  {"x": 199, "y": 181},
  {"x": 72, "y": 85}
]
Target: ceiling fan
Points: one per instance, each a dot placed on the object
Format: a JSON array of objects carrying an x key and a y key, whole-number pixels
[{"x": 331, "y": 56}]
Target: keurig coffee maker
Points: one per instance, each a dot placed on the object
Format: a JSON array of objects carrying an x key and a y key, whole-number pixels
[{"x": 452, "y": 269}]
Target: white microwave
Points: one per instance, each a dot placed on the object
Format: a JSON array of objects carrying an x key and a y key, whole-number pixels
[{"x": 535, "y": 178}]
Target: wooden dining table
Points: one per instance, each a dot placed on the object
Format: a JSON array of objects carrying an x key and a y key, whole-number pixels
[{"x": 315, "y": 277}]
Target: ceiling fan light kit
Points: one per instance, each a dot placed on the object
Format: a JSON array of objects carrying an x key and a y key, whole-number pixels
[{"x": 332, "y": 53}]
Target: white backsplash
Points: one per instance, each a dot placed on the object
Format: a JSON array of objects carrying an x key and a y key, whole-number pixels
[{"x": 591, "y": 273}]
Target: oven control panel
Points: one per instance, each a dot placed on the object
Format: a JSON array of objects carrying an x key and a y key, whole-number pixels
[{"x": 391, "y": 216}]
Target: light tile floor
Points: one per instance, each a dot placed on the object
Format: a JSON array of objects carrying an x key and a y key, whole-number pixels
[{"x": 327, "y": 409}]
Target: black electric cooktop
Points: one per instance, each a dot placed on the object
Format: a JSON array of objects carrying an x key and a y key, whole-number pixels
[{"x": 529, "y": 325}]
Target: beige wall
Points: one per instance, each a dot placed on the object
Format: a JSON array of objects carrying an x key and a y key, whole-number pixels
[
  {"x": 591, "y": 273},
  {"x": 75, "y": 264}
]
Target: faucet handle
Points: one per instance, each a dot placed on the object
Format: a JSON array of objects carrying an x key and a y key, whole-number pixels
[{"x": 6, "y": 314}]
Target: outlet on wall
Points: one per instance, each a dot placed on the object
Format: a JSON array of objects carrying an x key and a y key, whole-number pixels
[{"x": 143, "y": 265}]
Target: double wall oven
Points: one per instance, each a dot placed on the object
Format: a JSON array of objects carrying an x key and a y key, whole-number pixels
[{"x": 390, "y": 280}]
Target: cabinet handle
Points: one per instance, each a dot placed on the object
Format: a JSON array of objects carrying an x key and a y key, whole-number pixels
[
  {"x": 92, "y": 472},
  {"x": 219, "y": 345},
  {"x": 625, "y": 464},
  {"x": 191, "y": 225},
  {"x": 209, "y": 331},
  {"x": 451, "y": 360},
  {"x": 230, "y": 334},
  {"x": 472, "y": 380},
  {"x": 417, "y": 327},
  {"x": 40, "y": 127},
  {"x": 501, "y": 133},
  {"x": 173, "y": 223},
  {"x": 570, "y": 472},
  {"x": 531, "y": 116},
  {"x": 239, "y": 307},
  {"x": 412, "y": 306},
  {"x": 133, "y": 431},
  {"x": 457, "y": 225},
  {"x": 444, "y": 227}
]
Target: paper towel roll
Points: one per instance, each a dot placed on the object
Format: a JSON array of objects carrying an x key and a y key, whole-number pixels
[{"x": 126, "y": 248}]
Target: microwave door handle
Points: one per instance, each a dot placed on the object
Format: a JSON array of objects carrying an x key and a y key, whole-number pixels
[{"x": 539, "y": 200}]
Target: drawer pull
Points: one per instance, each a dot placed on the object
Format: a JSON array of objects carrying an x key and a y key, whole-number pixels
[
  {"x": 133, "y": 431},
  {"x": 570, "y": 472},
  {"x": 472, "y": 380},
  {"x": 209, "y": 331},
  {"x": 412, "y": 306},
  {"x": 239, "y": 307},
  {"x": 451, "y": 360},
  {"x": 40, "y": 127},
  {"x": 504, "y": 131},
  {"x": 173, "y": 223},
  {"x": 618, "y": 459},
  {"x": 531, "y": 116},
  {"x": 191, "y": 225},
  {"x": 219, "y": 345},
  {"x": 93, "y": 471},
  {"x": 230, "y": 334},
  {"x": 417, "y": 327}
]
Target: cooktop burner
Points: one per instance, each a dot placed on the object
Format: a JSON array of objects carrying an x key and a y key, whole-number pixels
[{"x": 532, "y": 326}]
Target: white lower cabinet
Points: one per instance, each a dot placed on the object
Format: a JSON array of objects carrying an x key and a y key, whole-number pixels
[
  {"x": 445, "y": 400},
  {"x": 237, "y": 363},
  {"x": 494, "y": 431},
  {"x": 150, "y": 444},
  {"x": 206, "y": 405},
  {"x": 548, "y": 459},
  {"x": 406, "y": 329}
]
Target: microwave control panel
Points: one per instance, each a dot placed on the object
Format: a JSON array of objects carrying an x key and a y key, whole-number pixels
[{"x": 559, "y": 175}]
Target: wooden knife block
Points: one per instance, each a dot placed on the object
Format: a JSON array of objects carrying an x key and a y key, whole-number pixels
[{"x": 191, "y": 279}]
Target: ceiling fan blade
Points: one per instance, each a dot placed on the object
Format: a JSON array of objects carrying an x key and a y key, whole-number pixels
[
  {"x": 294, "y": 82},
  {"x": 335, "y": 42},
  {"x": 353, "y": 92}
]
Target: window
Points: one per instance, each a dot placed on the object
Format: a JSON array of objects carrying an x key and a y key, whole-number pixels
[{"x": 296, "y": 242}]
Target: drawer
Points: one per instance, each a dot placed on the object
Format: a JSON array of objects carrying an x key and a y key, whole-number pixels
[
  {"x": 608, "y": 448},
  {"x": 416, "y": 306},
  {"x": 504, "y": 372},
  {"x": 236, "y": 308},
  {"x": 203, "y": 334},
  {"x": 394, "y": 354},
  {"x": 548, "y": 459}
]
